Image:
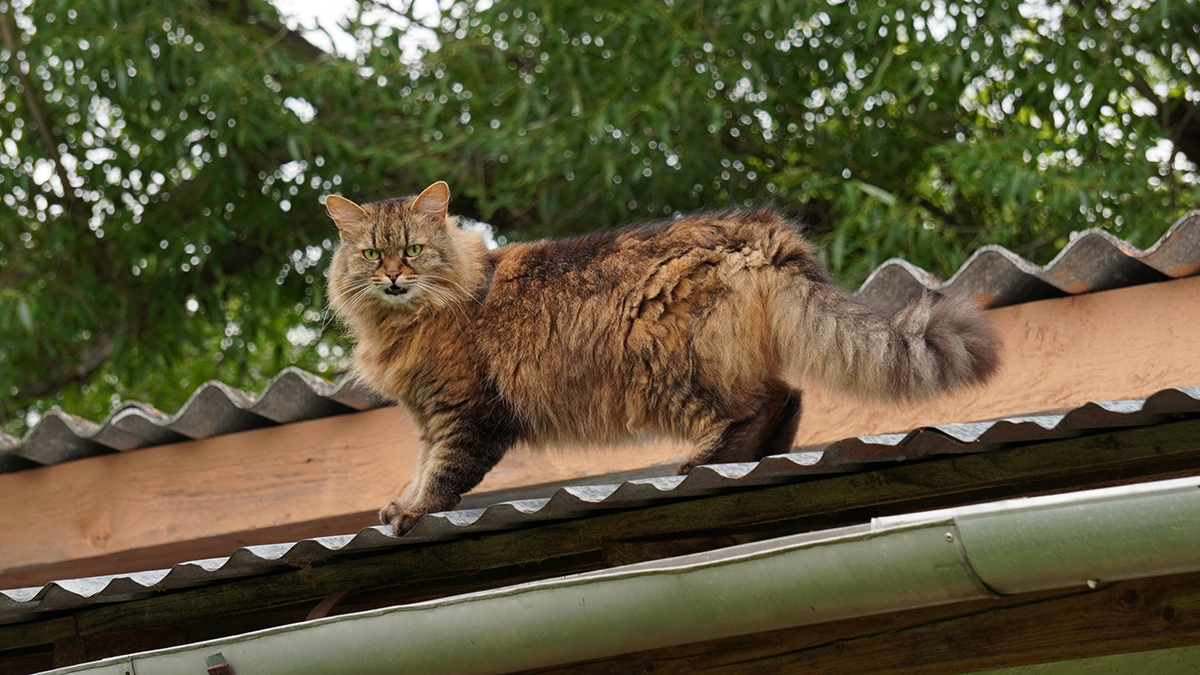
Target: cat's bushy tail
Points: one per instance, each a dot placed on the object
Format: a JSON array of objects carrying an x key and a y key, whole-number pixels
[{"x": 934, "y": 345}]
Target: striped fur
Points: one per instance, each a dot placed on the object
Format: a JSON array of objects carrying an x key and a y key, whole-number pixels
[{"x": 690, "y": 329}]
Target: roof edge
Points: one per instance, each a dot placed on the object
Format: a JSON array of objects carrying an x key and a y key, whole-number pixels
[{"x": 896, "y": 564}]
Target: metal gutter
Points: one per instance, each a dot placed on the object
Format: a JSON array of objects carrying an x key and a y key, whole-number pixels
[{"x": 897, "y": 563}]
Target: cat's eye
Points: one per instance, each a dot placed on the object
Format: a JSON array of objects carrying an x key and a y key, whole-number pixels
[
  {"x": 413, "y": 250},
  {"x": 371, "y": 254}
]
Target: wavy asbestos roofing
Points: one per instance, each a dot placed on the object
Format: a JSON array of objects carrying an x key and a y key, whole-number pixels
[
  {"x": 578, "y": 501},
  {"x": 213, "y": 409},
  {"x": 1093, "y": 261}
]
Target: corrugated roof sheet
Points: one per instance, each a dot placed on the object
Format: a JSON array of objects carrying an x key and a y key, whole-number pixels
[
  {"x": 213, "y": 409},
  {"x": 1093, "y": 261},
  {"x": 579, "y": 501}
]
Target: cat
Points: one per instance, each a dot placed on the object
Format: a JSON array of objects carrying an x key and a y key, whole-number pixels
[{"x": 687, "y": 328}]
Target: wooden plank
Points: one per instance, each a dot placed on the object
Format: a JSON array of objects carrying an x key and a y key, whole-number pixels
[
  {"x": 98, "y": 646},
  {"x": 26, "y": 661},
  {"x": 1172, "y": 660},
  {"x": 1131, "y": 616},
  {"x": 1126, "y": 455},
  {"x": 158, "y": 506},
  {"x": 42, "y": 632},
  {"x": 154, "y": 507},
  {"x": 1058, "y": 354}
]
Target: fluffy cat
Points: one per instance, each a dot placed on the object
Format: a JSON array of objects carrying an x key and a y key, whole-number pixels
[{"x": 684, "y": 328}]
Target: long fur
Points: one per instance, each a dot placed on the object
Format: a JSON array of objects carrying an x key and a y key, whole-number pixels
[{"x": 689, "y": 328}]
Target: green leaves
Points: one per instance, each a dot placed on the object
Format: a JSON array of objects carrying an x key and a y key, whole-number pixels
[
  {"x": 887, "y": 198},
  {"x": 919, "y": 130},
  {"x": 25, "y": 316}
]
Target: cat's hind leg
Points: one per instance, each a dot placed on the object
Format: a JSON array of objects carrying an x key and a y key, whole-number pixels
[{"x": 770, "y": 430}]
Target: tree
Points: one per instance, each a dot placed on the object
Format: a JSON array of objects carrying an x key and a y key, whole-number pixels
[{"x": 162, "y": 162}]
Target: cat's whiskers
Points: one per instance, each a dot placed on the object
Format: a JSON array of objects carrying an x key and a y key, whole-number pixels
[
  {"x": 350, "y": 289},
  {"x": 450, "y": 293},
  {"x": 445, "y": 297},
  {"x": 360, "y": 294},
  {"x": 452, "y": 313},
  {"x": 340, "y": 297},
  {"x": 460, "y": 286},
  {"x": 430, "y": 290},
  {"x": 422, "y": 298}
]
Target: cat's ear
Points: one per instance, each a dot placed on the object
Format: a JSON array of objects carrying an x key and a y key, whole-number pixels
[
  {"x": 345, "y": 213},
  {"x": 433, "y": 200}
]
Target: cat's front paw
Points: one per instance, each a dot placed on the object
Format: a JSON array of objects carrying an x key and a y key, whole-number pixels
[
  {"x": 402, "y": 514},
  {"x": 685, "y": 468}
]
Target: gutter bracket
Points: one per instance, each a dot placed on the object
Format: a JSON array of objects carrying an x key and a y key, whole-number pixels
[
  {"x": 953, "y": 535},
  {"x": 217, "y": 665}
]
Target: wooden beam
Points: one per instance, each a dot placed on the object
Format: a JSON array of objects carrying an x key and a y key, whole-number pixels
[
  {"x": 154, "y": 507},
  {"x": 26, "y": 662},
  {"x": 503, "y": 558},
  {"x": 1131, "y": 616},
  {"x": 1058, "y": 354}
]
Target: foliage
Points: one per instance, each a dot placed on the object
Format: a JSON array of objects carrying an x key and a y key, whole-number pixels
[{"x": 161, "y": 162}]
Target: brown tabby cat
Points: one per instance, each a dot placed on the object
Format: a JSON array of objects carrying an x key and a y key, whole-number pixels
[{"x": 685, "y": 328}]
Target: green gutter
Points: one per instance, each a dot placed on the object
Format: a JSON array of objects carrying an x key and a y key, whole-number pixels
[{"x": 894, "y": 564}]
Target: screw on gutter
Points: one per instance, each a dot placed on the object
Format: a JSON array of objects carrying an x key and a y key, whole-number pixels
[
  {"x": 950, "y": 537},
  {"x": 1093, "y": 583},
  {"x": 217, "y": 665}
]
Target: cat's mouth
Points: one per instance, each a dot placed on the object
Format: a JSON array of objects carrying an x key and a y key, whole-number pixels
[{"x": 396, "y": 290}]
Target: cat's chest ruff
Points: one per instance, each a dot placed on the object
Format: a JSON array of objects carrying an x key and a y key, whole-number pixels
[
  {"x": 414, "y": 367},
  {"x": 386, "y": 361}
]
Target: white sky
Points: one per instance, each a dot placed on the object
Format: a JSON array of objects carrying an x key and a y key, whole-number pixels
[{"x": 309, "y": 15}]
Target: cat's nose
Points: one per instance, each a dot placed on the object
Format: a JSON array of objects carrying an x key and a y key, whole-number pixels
[{"x": 393, "y": 276}]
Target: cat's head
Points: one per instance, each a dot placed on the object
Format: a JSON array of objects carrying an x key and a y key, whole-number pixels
[{"x": 398, "y": 253}]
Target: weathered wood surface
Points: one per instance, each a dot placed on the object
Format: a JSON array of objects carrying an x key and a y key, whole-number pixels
[
  {"x": 1058, "y": 354},
  {"x": 25, "y": 662},
  {"x": 503, "y": 558},
  {"x": 1131, "y": 616},
  {"x": 155, "y": 507},
  {"x": 152, "y": 508}
]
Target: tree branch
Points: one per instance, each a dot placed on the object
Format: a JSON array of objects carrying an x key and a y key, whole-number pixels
[
  {"x": 35, "y": 110},
  {"x": 942, "y": 214},
  {"x": 95, "y": 353},
  {"x": 406, "y": 13},
  {"x": 240, "y": 12},
  {"x": 1179, "y": 117},
  {"x": 99, "y": 255},
  {"x": 1183, "y": 126}
]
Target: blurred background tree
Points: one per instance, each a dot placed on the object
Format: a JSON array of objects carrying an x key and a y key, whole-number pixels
[{"x": 161, "y": 163}]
